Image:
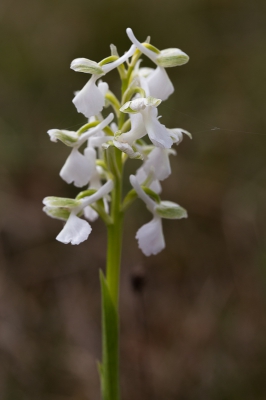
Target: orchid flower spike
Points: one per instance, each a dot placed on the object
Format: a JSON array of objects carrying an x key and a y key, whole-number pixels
[
  {"x": 150, "y": 236},
  {"x": 158, "y": 81},
  {"x": 91, "y": 99},
  {"x": 76, "y": 230}
]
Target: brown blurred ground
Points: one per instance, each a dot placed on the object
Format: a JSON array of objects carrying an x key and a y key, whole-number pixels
[{"x": 198, "y": 330}]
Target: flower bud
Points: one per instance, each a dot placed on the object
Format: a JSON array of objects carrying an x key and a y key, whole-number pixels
[
  {"x": 69, "y": 138},
  {"x": 86, "y": 66},
  {"x": 170, "y": 210},
  {"x": 69, "y": 204},
  {"x": 171, "y": 58},
  {"x": 58, "y": 213}
]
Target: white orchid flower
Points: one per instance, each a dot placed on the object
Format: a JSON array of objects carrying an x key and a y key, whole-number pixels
[
  {"x": 155, "y": 168},
  {"x": 150, "y": 236},
  {"x": 158, "y": 81},
  {"x": 90, "y": 99},
  {"x": 76, "y": 230},
  {"x": 149, "y": 124},
  {"x": 177, "y": 134},
  {"x": 78, "y": 168}
]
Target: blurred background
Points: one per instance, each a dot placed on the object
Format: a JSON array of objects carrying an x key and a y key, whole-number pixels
[{"x": 193, "y": 317}]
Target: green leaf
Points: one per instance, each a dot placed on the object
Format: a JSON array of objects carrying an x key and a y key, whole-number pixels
[
  {"x": 169, "y": 210},
  {"x": 109, "y": 366}
]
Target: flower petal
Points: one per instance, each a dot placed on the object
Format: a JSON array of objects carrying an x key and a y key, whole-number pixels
[
  {"x": 157, "y": 132},
  {"x": 90, "y": 214},
  {"x": 150, "y": 237},
  {"x": 159, "y": 84},
  {"x": 75, "y": 231},
  {"x": 89, "y": 100},
  {"x": 137, "y": 130},
  {"x": 158, "y": 162},
  {"x": 77, "y": 169}
]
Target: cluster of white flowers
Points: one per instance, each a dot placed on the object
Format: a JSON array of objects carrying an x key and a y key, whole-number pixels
[{"x": 145, "y": 89}]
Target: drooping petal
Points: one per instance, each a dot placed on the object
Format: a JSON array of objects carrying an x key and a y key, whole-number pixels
[
  {"x": 177, "y": 134},
  {"x": 137, "y": 130},
  {"x": 142, "y": 195},
  {"x": 157, "y": 132},
  {"x": 77, "y": 169},
  {"x": 148, "y": 180},
  {"x": 150, "y": 237},
  {"x": 103, "y": 87},
  {"x": 156, "y": 186},
  {"x": 90, "y": 214},
  {"x": 75, "y": 231},
  {"x": 158, "y": 162},
  {"x": 89, "y": 100},
  {"x": 159, "y": 84}
]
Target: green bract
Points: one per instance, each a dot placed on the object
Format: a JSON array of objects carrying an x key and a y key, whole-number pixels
[
  {"x": 171, "y": 58},
  {"x": 68, "y": 204},
  {"x": 170, "y": 210},
  {"x": 58, "y": 213},
  {"x": 67, "y": 137},
  {"x": 87, "y": 66}
]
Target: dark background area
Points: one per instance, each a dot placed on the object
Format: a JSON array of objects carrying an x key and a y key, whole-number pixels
[{"x": 197, "y": 331}]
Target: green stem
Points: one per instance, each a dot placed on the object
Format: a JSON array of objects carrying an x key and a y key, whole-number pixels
[
  {"x": 110, "y": 286},
  {"x": 109, "y": 369},
  {"x": 114, "y": 244}
]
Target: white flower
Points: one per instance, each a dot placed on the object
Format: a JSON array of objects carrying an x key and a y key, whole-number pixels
[
  {"x": 156, "y": 131},
  {"x": 155, "y": 168},
  {"x": 91, "y": 99},
  {"x": 150, "y": 236},
  {"x": 75, "y": 230},
  {"x": 78, "y": 168},
  {"x": 158, "y": 81},
  {"x": 159, "y": 84},
  {"x": 177, "y": 134},
  {"x": 136, "y": 132}
]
